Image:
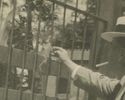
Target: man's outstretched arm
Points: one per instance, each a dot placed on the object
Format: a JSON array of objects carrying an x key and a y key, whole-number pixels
[{"x": 87, "y": 79}]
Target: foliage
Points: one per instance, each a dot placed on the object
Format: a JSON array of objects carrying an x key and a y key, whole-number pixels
[{"x": 42, "y": 10}]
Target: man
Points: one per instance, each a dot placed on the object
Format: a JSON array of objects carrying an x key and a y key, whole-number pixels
[{"x": 110, "y": 89}]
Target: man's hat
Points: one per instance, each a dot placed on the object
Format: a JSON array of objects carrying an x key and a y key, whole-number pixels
[{"x": 119, "y": 30}]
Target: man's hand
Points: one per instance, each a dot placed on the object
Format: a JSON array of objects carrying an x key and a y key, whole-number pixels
[{"x": 61, "y": 53}]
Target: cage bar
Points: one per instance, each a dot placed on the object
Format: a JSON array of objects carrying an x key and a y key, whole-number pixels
[
  {"x": 83, "y": 49},
  {"x": 28, "y": 30},
  {"x": 1, "y": 11},
  {"x": 10, "y": 53},
  {"x": 49, "y": 61},
  {"x": 35, "y": 58},
  {"x": 78, "y": 10}
]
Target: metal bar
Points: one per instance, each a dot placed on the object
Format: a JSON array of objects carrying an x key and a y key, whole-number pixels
[
  {"x": 92, "y": 62},
  {"x": 57, "y": 80},
  {"x": 84, "y": 39},
  {"x": 103, "y": 27},
  {"x": 46, "y": 78},
  {"x": 93, "y": 44},
  {"x": 1, "y": 11},
  {"x": 77, "y": 98},
  {"x": 52, "y": 30},
  {"x": 60, "y": 64},
  {"x": 28, "y": 27},
  {"x": 83, "y": 48},
  {"x": 49, "y": 60},
  {"x": 93, "y": 47},
  {"x": 10, "y": 53},
  {"x": 36, "y": 58},
  {"x": 43, "y": 93},
  {"x": 74, "y": 25},
  {"x": 0, "y": 2},
  {"x": 41, "y": 64},
  {"x": 64, "y": 19},
  {"x": 79, "y": 11},
  {"x": 72, "y": 50},
  {"x": 23, "y": 67}
]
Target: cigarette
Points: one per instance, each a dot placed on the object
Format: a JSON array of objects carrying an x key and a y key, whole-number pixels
[{"x": 102, "y": 64}]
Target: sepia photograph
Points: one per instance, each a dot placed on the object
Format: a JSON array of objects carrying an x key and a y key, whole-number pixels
[{"x": 62, "y": 49}]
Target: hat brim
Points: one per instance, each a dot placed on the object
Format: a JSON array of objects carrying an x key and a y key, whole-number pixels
[{"x": 109, "y": 36}]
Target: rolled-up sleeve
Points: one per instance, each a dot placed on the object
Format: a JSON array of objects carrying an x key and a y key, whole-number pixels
[{"x": 94, "y": 82}]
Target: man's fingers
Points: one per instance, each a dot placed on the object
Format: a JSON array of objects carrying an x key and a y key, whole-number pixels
[
  {"x": 58, "y": 48},
  {"x": 57, "y": 52}
]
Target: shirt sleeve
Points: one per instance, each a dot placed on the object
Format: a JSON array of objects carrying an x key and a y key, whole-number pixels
[{"x": 94, "y": 82}]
